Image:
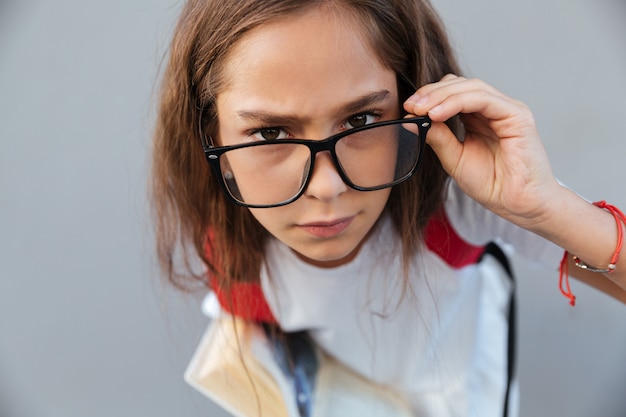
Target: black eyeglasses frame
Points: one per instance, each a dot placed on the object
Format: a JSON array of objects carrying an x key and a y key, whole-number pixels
[{"x": 213, "y": 154}]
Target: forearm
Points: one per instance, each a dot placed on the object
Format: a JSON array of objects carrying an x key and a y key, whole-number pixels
[{"x": 588, "y": 232}]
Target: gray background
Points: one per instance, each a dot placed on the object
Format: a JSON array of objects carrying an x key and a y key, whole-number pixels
[{"x": 86, "y": 326}]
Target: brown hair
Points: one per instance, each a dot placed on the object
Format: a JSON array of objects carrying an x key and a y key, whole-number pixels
[{"x": 191, "y": 213}]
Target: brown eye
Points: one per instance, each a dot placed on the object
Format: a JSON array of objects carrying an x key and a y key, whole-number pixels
[
  {"x": 270, "y": 133},
  {"x": 357, "y": 120},
  {"x": 360, "y": 120}
]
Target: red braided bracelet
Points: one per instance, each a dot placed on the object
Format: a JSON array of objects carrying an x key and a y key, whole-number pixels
[{"x": 563, "y": 270}]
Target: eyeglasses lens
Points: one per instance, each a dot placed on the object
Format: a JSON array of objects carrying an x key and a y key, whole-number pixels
[{"x": 276, "y": 172}]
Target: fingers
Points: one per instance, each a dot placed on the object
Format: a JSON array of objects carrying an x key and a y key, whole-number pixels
[
  {"x": 488, "y": 117},
  {"x": 453, "y": 95},
  {"x": 451, "y": 79}
]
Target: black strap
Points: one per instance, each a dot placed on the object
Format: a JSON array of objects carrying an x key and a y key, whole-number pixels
[{"x": 495, "y": 251}]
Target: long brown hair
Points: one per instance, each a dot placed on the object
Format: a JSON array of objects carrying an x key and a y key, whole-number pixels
[{"x": 192, "y": 216}]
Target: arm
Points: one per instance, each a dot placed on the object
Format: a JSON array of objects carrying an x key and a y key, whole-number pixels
[
  {"x": 502, "y": 164},
  {"x": 593, "y": 238}
]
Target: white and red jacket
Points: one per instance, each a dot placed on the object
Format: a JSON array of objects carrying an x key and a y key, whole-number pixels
[{"x": 444, "y": 341}]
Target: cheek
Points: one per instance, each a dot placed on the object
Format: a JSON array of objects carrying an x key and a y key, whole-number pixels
[
  {"x": 378, "y": 200},
  {"x": 273, "y": 219}
]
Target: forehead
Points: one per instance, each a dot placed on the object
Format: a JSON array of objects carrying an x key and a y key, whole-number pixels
[{"x": 304, "y": 59}]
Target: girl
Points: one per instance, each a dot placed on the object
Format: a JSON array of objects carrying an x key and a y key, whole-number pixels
[{"x": 335, "y": 198}]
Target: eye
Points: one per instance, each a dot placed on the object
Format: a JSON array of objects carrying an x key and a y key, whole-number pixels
[
  {"x": 270, "y": 133},
  {"x": 359, "y": 120}
]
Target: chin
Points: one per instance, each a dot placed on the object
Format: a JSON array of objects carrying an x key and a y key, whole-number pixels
[{"x": 329, "y": 260}]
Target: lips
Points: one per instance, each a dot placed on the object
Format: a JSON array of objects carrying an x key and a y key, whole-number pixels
[{"x": 327, "y": 229}]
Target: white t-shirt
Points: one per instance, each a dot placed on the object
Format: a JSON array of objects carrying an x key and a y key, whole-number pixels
[{"x": 441, "y": 342}]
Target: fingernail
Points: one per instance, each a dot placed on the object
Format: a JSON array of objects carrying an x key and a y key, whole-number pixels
[
  {"x": 435, "y": 110},
  {"x": 413, "y": 99},
  {"x": 416, "y": 99}
]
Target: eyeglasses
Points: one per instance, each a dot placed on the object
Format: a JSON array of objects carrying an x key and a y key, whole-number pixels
[{"x": 274, "y": 173}]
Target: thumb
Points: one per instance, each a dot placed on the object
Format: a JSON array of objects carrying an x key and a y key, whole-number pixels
[{"x": 445, "y": 145}]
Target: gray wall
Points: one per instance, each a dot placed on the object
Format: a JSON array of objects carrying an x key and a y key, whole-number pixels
[{"x": 87, "y": 328}]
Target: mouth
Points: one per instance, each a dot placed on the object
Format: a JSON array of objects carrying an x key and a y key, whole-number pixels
[{"x": 327, "y": 229}]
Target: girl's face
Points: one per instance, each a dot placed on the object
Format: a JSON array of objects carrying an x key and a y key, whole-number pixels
[{"x": 309, "y": 76}]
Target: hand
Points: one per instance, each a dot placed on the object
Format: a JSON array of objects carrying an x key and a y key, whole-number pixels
[{"x": 501, "y": 162}]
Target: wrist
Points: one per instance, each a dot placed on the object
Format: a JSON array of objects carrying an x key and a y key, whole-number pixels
[{"x": 545, "y": 216}]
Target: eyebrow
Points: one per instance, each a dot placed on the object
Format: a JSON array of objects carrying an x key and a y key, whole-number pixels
[{"x": 354, "y": 106}]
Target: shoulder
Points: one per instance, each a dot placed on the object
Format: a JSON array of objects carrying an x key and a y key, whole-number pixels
[{"x": 478, "y": 226}]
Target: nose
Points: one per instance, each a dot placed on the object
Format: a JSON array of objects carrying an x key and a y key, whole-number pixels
[{"x": 325, "y": 183}]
